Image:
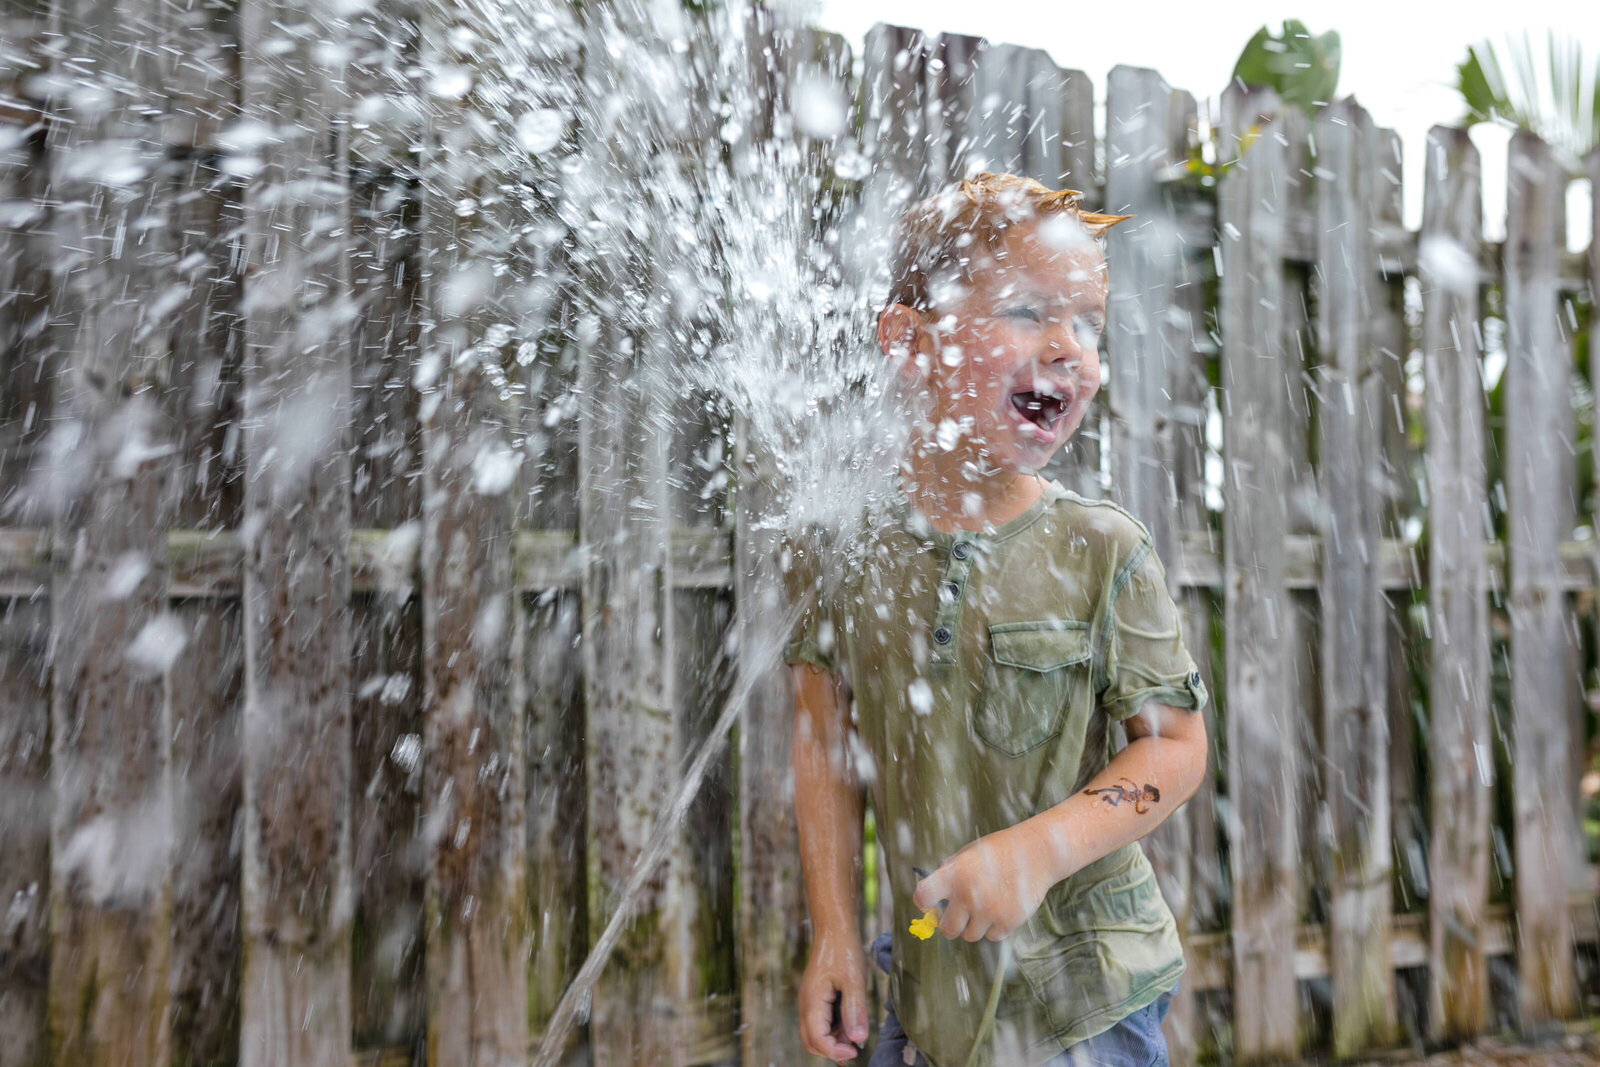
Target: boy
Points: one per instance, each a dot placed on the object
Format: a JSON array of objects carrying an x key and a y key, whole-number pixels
[{"x": 967, "y": 670}]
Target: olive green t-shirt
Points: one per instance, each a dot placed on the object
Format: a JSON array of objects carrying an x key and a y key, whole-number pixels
[{"x": 986, "y": 668}]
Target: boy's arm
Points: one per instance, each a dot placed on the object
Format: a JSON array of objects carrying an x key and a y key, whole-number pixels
[
  {"x": 992, "y": 885},
  {"x": 828, "y": 808}
]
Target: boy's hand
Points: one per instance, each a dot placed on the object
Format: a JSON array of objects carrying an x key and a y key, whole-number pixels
[
  {"x": 991, "y": 886},
  {"x": 835, "y": 979}
]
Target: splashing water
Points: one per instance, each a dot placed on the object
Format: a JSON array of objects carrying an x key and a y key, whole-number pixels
[{"x": 726, "y": 272}]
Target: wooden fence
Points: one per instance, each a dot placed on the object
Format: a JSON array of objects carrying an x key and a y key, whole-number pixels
[{"x": 358, "y": 619}]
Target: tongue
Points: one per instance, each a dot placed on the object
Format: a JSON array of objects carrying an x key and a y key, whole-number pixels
[{"x": 1042, "y": 411}]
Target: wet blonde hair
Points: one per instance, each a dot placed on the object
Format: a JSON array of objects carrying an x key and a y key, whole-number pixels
[{"x": 936, "y": 238}]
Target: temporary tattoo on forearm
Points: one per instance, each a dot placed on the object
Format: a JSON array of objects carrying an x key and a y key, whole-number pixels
[{"x": 1113, "y": 796}]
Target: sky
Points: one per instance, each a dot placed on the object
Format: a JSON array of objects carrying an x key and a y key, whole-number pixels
[{"x": 1399, "y": 56}]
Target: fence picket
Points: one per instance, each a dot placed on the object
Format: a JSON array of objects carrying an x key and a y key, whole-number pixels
[
  {"x": 1539, "y": 472},
  {"x": 1147, "y": 132},
  {"x": 296, "y": 733},
  {"x": 111, "y": 835},
  {"x": 25, "y": 397},
  {"x": 1257, "y": 365},
  {"x": 1460, "y": 744},
  {"x": 206, "y": 685},
  {"x": 24, "y": 831},
  {"x": 1351, "y": 405},
  {"x": 474, "y": 766}
]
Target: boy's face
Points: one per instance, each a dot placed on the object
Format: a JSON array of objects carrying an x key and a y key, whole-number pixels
[{"x": 1011, "y": 360}]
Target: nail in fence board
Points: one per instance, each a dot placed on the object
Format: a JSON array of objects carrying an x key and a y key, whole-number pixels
[
  {"x": 1539, "y": 492},
  {"x": 107, "y": 497},
  {"x": 1262, "y": 734},
  {"x": 296, "y": 736},
  {"x": 1351, "y": 405},
  {"x": 1460, "y": 744}
]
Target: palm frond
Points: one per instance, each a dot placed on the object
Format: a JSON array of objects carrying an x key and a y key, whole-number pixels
[{"x": 1553, "y": 92}]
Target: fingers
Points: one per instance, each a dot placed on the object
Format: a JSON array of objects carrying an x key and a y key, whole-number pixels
[
  {"x": 930, "y": 891},
  {"x": 854, "y": 1016},
  {"x": 954, "y": 921},
  {"x": 816, "y": 1032},
  {"x": 977, "y": 929}
]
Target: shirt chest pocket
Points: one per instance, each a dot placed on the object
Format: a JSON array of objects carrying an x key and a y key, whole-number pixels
[{"x": 1032, "y": 671}]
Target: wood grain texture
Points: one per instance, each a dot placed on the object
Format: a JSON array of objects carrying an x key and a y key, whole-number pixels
[
  {"x": 1262, "y": 746},
  {"x": 206, "y": 684},
  {"x": 297, "y": 891},
  {"x": 25, "y": 805},
  {"x": 1539, "y": 492},
  {"x": 474, "y": 791},
  {"x": 1147, "y": 361},
  {"x": 1355, "y": 728},
  {"x": 1460, "y": 743},
  {"x": 633, "y": 739},
  {"x": 105, "y": 485}
]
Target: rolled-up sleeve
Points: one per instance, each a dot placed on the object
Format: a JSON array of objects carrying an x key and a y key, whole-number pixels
[{"x": 1145, "y": 658}]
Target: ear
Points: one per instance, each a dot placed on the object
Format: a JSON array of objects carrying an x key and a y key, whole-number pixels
[{"x": 901, "y": 336}]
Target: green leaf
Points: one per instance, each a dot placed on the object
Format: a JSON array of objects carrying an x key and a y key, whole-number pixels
[{"x": 1301, "y": 67}]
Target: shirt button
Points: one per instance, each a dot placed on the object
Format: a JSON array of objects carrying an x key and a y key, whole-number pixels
[
  {"x": 952, "y": 590},
  {"x": 942, "y": 635},
  {"x": 961, "y": 550}
]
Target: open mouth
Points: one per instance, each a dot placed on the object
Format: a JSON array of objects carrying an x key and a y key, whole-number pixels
[{"x": 1044, "y": 410}]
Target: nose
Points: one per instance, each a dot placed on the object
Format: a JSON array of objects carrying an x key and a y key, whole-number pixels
[{"x": 1062, "y": 345}]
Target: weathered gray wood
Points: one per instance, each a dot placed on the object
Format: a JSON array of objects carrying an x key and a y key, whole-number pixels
[
  {"x": 387, "y": 857},
  {"x": 1539, "y": 492},
  {"x": 1460, "y": 744},
  {"x": 556, "y": 791},
  {"x": 1400, "y": 500},
  {"x": 953, "y": 63},
  {"x": 206, "y": 684},
  {"x": 1077, "y": 132},
  {"x": 772, "y": 896},
  {"x": 26, "y": 250},
  {"x": 1355, "y": 727},
  {"x": 772, "y": 945},
  {"x": 633, "y": 740},
  {"x": 1260, "y": 717},
  {"x": 1144, "y": 261},
  {"x": 296, "y": 883},
  {"x": 474, "y": 764},
  {"x": 1001, "y": 114},
  {"x": 111, "y": 638},
  {"x": 25, "y": 805},
  {"x": 202, "y": 397},
  {"x": 893, "y": 133}
]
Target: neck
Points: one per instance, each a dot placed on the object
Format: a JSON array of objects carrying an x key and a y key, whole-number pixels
[{"x": 956, "y": 491}]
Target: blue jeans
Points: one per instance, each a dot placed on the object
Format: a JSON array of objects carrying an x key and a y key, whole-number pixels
[{"x": 1135, "y": 1041}]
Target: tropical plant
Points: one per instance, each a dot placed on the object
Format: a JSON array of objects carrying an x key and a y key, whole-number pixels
[
  {"x": 1303, "y": 69},
  {"x": 1553, "y": 92}
]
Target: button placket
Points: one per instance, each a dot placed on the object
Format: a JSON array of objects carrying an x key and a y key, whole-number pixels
[{"x": 952, "y": 587}]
